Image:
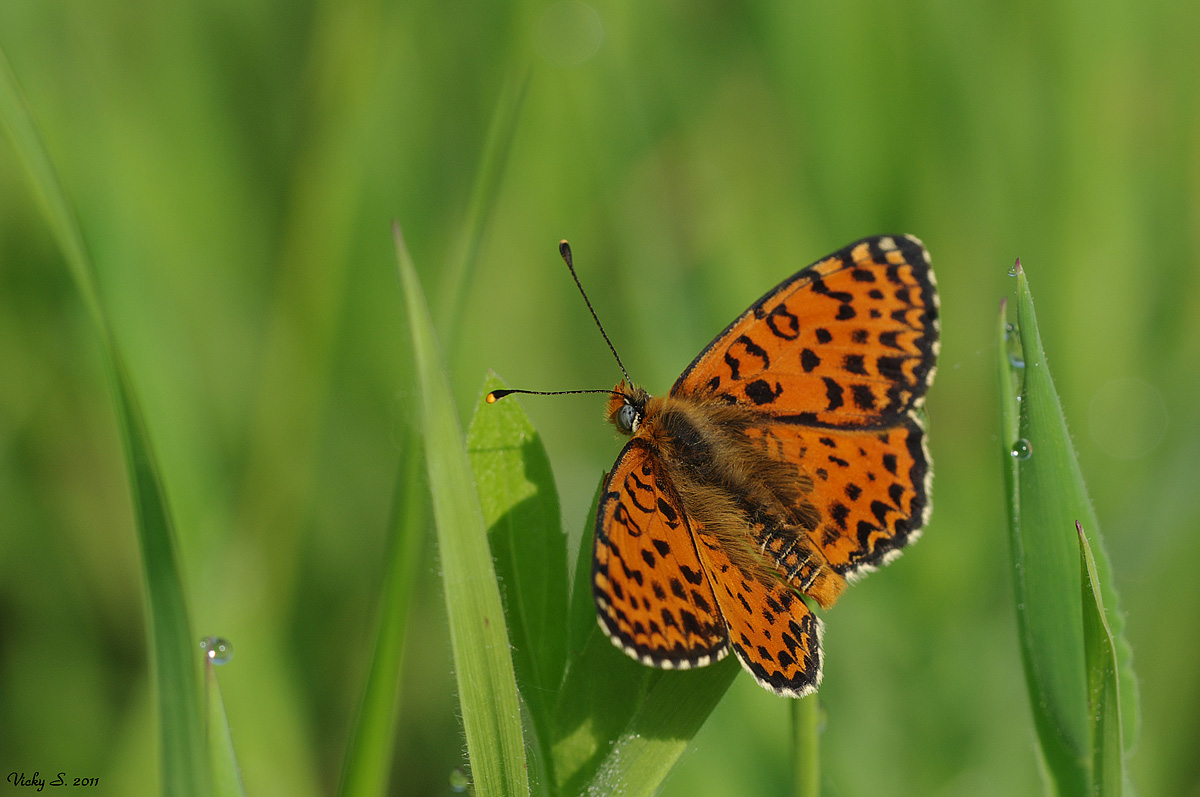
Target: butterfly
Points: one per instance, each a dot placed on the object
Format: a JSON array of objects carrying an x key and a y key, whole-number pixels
[{"x": 787, "y": 460}]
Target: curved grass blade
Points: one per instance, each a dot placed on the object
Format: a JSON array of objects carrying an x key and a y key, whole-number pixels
[
  {"x": 369, "y": 757},
  {"x": 226, "y": 779},
  {"x": 665, "y": 721},
  {"x": 171, "y": 642},
  {"x": 483, "y": 667},
  {"x": 1047, "y": 496},
  {"x": 1104, "y": 700},
  {"x": 43, "y": 179},
  {"x": 1054, "y": 425},
  {"x": 521, "y": 510},
  {"x": 172, "y": 646}
]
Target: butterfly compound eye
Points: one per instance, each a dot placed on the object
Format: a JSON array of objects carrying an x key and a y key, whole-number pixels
[{"x": 628, "y": 419}]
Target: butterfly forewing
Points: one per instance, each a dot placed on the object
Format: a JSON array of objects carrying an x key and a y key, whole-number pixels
[
  {"x": 850, "y": 341},
  {"x": 652, "y": 595}
]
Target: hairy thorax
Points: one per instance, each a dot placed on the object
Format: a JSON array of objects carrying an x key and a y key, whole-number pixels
[{"x": 738, "y": 495}]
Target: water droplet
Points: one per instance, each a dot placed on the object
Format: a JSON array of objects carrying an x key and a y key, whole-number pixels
[
  {"x": 1021, "y": 449},
  {"x": 459, "y": 781},
  {"x": 1015, "y": 269},
  {"x": 1012, "y": 341},
  {"x": 217, "y": 649}
]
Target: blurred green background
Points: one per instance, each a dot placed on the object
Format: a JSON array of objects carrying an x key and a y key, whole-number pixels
[{"x": 236, "y": 166}]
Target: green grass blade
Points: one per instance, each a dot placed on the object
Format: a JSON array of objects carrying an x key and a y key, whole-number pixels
[
  {"x": 369, "y": 757},
  {"x": 659, "y": 731},
  {"x": 520, "y": 507},
  {"x": 173, "y": 649},
  {"x": 43, "y": 178},
  {"x": 806, "y": 747},
  {"x": 483, "y": 667},
  {"x": 226, "y": 779},
  {"x": 1049, "y": 495},
  {"x": 1104, "y": 700},
  {"x": 1058, "y": 487},
  {"x": 1060, "y": 643},
  {"x": 601, "y": 692},
  {"x": 521, "y": 510}
]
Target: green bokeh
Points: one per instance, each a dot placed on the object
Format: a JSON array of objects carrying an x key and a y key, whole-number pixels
[{"x": 236, "y": 167}]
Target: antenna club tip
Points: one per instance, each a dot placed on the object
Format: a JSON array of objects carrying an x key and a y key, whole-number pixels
[
  {"x": 564, "y": 249},
  {"x": 496, "y": 395}
]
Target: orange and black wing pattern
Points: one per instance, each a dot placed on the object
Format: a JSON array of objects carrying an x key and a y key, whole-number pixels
[
  {"x": 827, "y": 374},
  {"x": 775, "y": 635},
  {"x": 840, "y": 357},
  {"x": 652, "y": 594},
  {"x": 870, "y": 488},
  {"x": 848, "y": 342}
]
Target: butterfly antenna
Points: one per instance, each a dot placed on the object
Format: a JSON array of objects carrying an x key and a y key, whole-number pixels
[
  {"x": 564, "y": 249},
  {"x": 496, "y": 395}
]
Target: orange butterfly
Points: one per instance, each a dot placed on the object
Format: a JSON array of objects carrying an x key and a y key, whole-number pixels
[{"x": 789, "y": 458}]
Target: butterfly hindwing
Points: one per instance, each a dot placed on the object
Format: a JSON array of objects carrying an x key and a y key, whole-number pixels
[
  {"x": 870, "y": 487},
  {"x": 775, "y": 635},
  {"x": 849, "y": 342},
  {"x": 652, "y": 595}
]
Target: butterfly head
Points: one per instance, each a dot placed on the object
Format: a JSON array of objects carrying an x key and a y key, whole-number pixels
[{"x": 627, "y": 407}]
